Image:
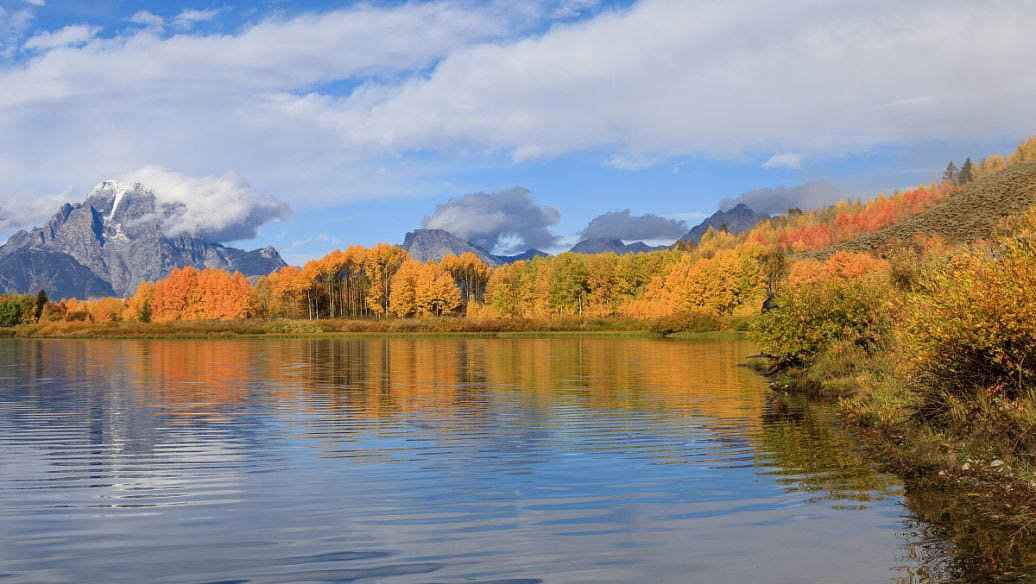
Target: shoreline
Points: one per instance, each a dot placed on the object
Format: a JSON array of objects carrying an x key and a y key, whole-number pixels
[
  {"x": 1001, "y": 491},
  {"x": 287, "y": 329}
]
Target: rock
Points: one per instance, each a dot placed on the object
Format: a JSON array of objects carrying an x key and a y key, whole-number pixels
[
  {"x": 434, "y": 244},
  {"x": 111, "y": 242},
  {"x": 996, "y": 463},
  {"x": 942, "y": 473},
  {"x": 966, "y": 466}
]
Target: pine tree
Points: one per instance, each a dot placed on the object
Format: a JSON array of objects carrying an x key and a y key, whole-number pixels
[
  {"x": 950, "y": 175},
  {"x": 967, "y": 172},
  {"x": 41, "y": 303}
]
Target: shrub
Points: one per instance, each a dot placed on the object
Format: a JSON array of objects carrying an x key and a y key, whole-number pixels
[
  {"x": 687, "y": 322},
  {"x": 10, "y": 313},
  {"x": 972, "y": 327},
  {"x": 807, "y": 320}
]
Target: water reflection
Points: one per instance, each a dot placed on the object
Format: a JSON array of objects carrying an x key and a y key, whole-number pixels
[{"x": 577, "y": 459}]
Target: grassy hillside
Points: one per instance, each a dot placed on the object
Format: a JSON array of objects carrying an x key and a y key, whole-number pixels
[{"x": 973, "y": 213}]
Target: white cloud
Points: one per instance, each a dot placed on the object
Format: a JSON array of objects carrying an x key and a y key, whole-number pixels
[
  {"x": 18, "y": 211},
  {"x": 189, "y": 18},
  {"x": 673, "y": 78},
  {"x": 218, "y": 208},
  {"x": 660, "y": 80},
  {"x": 148, "y": 19},
  {"x": 784, "y": 160},
  {"x": 572, "y": 8},
  {"x": 75, "y": 34},
  {"x": 36, "y": 3},
  {"x": 13, "y": 23}
]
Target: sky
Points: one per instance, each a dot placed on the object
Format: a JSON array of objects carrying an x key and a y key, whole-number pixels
[{"x": 314, "y": 125}]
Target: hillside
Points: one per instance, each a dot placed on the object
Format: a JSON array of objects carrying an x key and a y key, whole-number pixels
[{"x": 971, "y": 214}]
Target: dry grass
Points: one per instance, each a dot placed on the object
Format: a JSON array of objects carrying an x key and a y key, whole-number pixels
[{"x": 974, "y": 213}]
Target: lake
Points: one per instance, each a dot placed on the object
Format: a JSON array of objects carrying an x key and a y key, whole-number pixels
[{"x": 424, "y": 459}]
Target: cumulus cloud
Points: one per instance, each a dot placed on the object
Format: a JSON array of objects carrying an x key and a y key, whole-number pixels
[
  {"x": 74, "y": 34},
  {"x": 216, "y": 208},
  {"x": 442, "y": 80},
  {"x": 510, "y": 217},
  {"x": 189, "y": 18},
  {"x": 777, "y": 200},
  {"x": 785, "y": 160},
  {"x": 622, "y": 225},
  {"x": 231, "y": 100}
]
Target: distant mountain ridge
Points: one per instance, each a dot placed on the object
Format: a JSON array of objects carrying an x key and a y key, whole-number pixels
[
  {"x": 737, "y": 219},
  {"x": 111, "y": 242},
  {"x": 434, "y": 244},
  {"x": 616, "y": 246}
]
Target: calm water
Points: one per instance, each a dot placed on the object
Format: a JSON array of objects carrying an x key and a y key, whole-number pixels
[{"x": 575, "y": 459}]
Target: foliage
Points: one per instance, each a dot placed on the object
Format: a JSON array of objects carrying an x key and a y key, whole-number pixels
[
  {"x": 809, "y": 319},
  {"x": 971, "y": 328}
]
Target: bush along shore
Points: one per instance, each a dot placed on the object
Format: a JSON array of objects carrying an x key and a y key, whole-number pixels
[{"x": 931, "y": 354}]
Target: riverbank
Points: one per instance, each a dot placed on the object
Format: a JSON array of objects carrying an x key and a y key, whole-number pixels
[
  {"x": 428, "y": 327},
  {"x": 983, "y": 471}
]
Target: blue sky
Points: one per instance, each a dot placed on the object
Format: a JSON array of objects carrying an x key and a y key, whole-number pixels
[{"x": 362, "y": 118}]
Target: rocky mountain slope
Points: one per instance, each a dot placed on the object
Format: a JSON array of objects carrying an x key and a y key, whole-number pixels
[
  {"x": 111, "y": 242},
  {"x": 434, "y": 244},
  {"x": 737, "y": 219}
]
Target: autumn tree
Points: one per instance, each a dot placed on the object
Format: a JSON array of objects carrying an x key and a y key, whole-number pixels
[
  {"x": 138, "y": 306},
  {"x": 423, "y": 290},
  {"x": 380, "y": 264}
]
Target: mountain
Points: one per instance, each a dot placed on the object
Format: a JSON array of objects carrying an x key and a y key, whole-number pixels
[
  {"x": 111, "y": 242},
  {"x": 524, "y": 256},
  {"x": 736, "y": 220},
  {"x": 594, "y": 246},
  {"x": 435, "y": 244}
]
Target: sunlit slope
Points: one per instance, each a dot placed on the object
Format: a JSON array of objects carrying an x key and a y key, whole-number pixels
[{"x": 972, "y": 214}]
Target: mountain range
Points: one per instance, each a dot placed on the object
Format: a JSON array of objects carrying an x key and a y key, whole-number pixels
[
  {"x": 737, "y": 219},
  {"x": 111, "y": 242},
  {"x": 434, "y": 244}
]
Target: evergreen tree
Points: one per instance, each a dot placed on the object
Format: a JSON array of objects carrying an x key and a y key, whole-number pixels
[
  {"x": 967, "y": 172},
  {"x": 951, "y": 173},
  {"x": 41, "y": 303}
]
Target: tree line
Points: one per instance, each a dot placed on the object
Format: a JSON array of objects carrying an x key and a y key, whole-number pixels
[{"x": 722, "y": 275}]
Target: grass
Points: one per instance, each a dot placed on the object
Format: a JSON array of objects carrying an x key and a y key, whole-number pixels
[
  {"x": 882, "y": 413},
  {"x": 258, "y": 328},
  {"x": 975, "y": 213}
]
